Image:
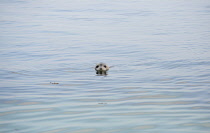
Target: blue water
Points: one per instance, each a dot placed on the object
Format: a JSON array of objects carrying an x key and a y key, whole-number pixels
[{"x": 159, "y": 81}]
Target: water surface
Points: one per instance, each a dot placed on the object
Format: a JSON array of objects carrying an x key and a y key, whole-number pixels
[{"x": 159, "y": 82}]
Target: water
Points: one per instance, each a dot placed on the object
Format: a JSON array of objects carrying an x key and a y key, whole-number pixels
[{"x": 159, "y": 82}]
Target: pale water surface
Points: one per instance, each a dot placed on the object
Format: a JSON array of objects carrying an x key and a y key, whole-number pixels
[{"x": 159, "y": 50}]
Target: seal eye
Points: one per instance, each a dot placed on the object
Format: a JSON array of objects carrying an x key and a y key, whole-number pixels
[
  {"x": 97, "y": 66},
  {"x": 105, "y": 66}
]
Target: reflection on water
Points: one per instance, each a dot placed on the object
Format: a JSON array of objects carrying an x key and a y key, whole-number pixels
[{"x": 159, "y": 81}]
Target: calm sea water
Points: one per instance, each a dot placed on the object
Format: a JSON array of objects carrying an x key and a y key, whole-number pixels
[{"x": 159, "y": 52}]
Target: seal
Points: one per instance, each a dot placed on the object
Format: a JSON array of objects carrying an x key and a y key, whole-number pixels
[{"x": 101, "y": 69}]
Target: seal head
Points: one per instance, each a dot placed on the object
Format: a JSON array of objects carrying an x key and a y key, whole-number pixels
[{"x": 101, "y": 69}]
